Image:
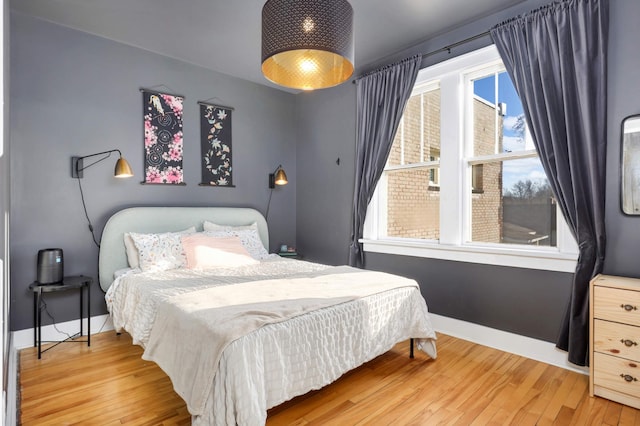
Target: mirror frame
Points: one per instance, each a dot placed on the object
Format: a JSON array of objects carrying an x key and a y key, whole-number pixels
[{"x": 630, "y": 165}]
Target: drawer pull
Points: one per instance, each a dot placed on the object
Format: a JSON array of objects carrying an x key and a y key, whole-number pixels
[
  {"x": 628, "y": 307},
  {"x": 628, "y": 378},
  {"x": 628, "y": 343}
]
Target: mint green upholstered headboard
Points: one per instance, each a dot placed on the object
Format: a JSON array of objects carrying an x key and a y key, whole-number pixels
[{"x": 164, "y": 219}]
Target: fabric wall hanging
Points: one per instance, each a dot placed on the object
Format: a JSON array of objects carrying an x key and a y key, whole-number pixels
[
  {"x": 162, "y": 138},
  {"x": 215, "y": 145}
]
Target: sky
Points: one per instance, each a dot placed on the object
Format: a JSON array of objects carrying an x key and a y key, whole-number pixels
[{"x": 513, "y": 170}]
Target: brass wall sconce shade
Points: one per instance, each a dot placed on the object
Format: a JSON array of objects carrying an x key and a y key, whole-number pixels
[
  {"x": 122, "y": 169},
  {"x": 307, "y": 44},
  {"x": 278, "y": 177}
]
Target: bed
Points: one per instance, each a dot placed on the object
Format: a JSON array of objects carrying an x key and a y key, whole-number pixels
[{"x": 238, "y": 340}]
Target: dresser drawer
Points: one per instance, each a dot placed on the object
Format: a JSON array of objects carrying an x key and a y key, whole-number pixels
[
  {"x": 617, "y": 374},
  {"x": 617, "y": 305},
  {"x": 617, "y": 339}
]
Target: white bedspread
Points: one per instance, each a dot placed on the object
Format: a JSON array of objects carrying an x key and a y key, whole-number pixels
[
  {"x": 133, "y": 297},
  {"x": 278, "y": 361}
]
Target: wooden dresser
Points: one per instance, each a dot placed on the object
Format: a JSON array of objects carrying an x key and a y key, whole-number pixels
[{"x": 615, "y": 339}]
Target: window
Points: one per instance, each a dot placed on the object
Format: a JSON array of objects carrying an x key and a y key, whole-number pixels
[
  {"x": 516, "y": 205},
  {"x": 412, "y": 177},
  {"x": 463, "y": 180}
]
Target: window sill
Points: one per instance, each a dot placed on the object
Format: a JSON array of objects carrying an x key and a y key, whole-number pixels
[{"x": 548, "y": 260}]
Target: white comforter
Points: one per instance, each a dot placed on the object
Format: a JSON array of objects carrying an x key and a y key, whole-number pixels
[{"x": 274, "y": 363}]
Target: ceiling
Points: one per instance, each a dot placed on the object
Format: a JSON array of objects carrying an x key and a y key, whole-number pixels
[{"x": 225, "y": 35}]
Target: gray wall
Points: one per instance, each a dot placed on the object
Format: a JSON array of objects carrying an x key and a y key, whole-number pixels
[
  {"x": 76, "y": 94},
  {"x": 623, "y": 232},
  {"x": 527, "y": 302},
  {"x": 326, "y": 133}
]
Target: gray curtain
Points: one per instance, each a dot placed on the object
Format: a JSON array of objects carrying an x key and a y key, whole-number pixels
[
  {"x": 557, "y": 59},
  {"x": 381, "y": 98}
]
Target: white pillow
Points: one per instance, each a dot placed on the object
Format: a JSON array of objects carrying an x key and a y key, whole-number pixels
[
  {"x": 160, "y": 252},
  {"x": 206, "y": 252},
  {"x": 249, "y": 237},
  {"x": 132, "y": 251}
]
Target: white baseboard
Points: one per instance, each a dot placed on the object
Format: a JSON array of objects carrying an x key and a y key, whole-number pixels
[
  {"x": 538, "y": 350},
  {"x": 24, "y": 338}
]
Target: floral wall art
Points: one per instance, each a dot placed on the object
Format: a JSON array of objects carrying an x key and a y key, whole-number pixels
[
  {"x": 162, "y": 138},
  {"x": 215, "y": 144}
]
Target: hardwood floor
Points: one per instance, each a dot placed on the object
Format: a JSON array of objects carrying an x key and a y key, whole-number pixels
[{"x": 469, "y": 384}]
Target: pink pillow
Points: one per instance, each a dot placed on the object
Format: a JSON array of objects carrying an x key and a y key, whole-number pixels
[{"x": 206, "y": 252}]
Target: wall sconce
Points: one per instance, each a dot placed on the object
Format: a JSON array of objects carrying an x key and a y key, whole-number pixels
[
  {"x": 278, "y": 177},
  {"x": 122, "y": 169}
]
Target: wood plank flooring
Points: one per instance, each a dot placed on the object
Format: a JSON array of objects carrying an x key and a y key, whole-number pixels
[{"x": 469, "y": 384}]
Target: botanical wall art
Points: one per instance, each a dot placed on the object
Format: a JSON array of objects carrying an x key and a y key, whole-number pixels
[
  {"x": 215, "y": 145},
  {"x": 162, "y": 138}
]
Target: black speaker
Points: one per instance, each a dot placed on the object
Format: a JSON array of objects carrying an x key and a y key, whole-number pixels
[{"x": 50, "y": 266}]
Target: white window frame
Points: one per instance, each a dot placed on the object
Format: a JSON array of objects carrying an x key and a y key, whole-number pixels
[{"x": 453, "y": 77}]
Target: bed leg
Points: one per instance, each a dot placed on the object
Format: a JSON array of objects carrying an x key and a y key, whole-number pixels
[{"x": 410, "y": 348}]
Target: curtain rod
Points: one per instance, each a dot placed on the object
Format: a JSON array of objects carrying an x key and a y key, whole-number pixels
[
  {"x": 456, "y": 44},
  {"x": 442, "y": 49}
]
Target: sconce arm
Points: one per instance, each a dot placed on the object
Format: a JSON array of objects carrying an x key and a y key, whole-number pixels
[{"x": 77, "y": 165}]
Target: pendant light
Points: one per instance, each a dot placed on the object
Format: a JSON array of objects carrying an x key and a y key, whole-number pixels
[{"x": 307, "y": 44}]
